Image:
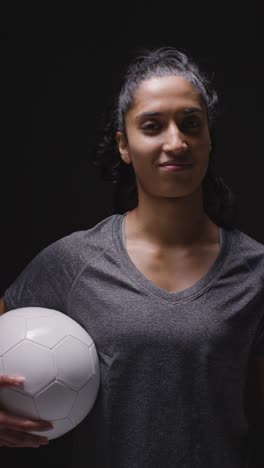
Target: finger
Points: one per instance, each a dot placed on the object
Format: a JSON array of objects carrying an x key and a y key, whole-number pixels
[
  {"x": 10, "y": 421},
  {"x": 19, "y": 444},
  {"x": 22, "y": 445},
  {"x": 21, "y": 439},
  {"x": 7, "y": 380}
]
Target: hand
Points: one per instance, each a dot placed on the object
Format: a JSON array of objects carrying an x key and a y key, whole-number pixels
[{"x": 14, "y": 429}]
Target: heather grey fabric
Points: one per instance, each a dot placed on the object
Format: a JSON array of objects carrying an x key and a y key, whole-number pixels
[{"x": 173, "y": 366}]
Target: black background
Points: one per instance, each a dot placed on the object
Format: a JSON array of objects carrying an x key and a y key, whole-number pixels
[{"x": 63, "y": 62}]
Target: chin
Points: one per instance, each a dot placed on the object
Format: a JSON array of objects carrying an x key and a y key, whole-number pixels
[{"x": 182, "y": 193}]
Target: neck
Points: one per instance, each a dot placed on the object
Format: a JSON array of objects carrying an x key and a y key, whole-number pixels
[{"x": 172, "y": 222}]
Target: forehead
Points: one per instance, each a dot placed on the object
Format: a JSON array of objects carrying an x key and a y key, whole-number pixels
[{"x": 166, "y": 92}]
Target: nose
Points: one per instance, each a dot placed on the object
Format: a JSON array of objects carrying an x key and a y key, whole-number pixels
[{"x": 174, "y": 141}]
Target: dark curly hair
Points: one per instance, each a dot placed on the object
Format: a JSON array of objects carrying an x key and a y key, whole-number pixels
[{"x": 218, "y": 199}]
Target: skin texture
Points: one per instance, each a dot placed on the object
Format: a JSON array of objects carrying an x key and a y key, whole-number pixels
[
  {"x": 169, "y": 237},
  {"x": 3, "y": 307},
  {"x": 170, "y": 208}
]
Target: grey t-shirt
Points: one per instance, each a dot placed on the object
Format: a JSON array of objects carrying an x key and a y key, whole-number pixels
[{"x": 174, "y": 366}]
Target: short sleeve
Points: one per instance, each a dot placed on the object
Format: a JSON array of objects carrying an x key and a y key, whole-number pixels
[{"x": 45, "y": 282}]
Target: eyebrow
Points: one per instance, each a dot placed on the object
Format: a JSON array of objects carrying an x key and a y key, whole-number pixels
[{"x": 187, "y": 111}]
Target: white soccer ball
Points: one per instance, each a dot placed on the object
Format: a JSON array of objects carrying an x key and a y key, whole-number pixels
[{"x": 59, "y": 361}]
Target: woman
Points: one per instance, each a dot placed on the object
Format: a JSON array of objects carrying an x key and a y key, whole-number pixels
[{"x": 170, "y": 291}]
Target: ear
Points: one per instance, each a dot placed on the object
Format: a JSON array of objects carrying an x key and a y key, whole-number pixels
[{"x": 123, "y": 147}]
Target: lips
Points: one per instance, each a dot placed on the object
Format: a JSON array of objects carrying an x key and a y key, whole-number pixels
[{"x": 175, "y": 163}]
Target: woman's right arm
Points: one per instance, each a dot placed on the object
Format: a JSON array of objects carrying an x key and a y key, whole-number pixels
[
  {"x": 14, "y": 429},
  {"x": 3, "y": 307}
]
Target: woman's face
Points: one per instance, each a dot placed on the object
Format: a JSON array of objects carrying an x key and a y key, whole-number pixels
[{"x": 167, "y": 122}]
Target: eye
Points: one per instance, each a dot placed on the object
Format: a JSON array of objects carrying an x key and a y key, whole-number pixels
[
  {"x": 192, "y": 123},
  {"x": 151, "y": 127}
]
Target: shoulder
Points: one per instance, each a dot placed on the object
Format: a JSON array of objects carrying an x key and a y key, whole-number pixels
[
  {"x": 81, "y": 245},
  {"x": 247, "y": 248},
  {"x": 246, "y": 241}
]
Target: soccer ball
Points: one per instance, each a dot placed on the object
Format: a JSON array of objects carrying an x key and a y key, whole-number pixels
[{"x": 59, "y": 361}]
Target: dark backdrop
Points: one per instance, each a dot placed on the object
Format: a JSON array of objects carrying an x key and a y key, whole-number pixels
[{"x": 63, "y": 63}]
